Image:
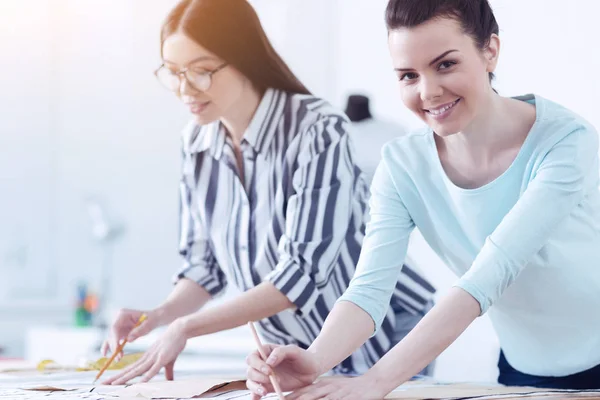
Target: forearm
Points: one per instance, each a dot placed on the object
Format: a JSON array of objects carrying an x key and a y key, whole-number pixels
[
  {"x": 436, "y": 331},
  {"x": 346, "y": 328},
  {"x": 185, "y": 298},
  {"x": 255, "y": 304}
]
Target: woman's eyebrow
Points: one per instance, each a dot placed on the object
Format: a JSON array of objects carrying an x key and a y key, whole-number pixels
[
  {"x": 444, "y": 54},
  {"x": 195, "y": 60}
]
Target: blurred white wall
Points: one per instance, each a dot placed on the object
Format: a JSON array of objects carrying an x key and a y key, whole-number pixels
[{"x": 81, "y": 115}]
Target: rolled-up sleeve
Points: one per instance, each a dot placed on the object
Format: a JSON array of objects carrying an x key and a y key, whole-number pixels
[
  {"x": 558, "y": 187},
  {"x": 318, "y": 213},
  {"x": 199, "y": 263}
]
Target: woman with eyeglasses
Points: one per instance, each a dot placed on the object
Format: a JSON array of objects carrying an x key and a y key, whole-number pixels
[{"x": 271, "y": 199}]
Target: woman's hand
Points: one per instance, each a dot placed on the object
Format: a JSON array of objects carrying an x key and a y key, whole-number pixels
[
  {"x": 163, "y": 353},
  {"x": 339, "y": 388},
  {"x": 293, "y": 367},
  {"x": 122, "y": 328}
]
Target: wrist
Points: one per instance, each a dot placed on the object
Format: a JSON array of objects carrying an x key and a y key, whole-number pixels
[
  {"x": 164, "y": 314},
  {"x": 189, "y": 326},
  {"x": 318, "y": 360},
  {"x": 379, "y": 381}
]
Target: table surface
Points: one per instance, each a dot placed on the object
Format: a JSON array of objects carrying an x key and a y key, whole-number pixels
[{"x": 12, "y": 385}]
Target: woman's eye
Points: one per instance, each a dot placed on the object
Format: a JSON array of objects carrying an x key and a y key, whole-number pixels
[
  {"x": 446, "y": 64},
  {"x": 408, "y": 76}
]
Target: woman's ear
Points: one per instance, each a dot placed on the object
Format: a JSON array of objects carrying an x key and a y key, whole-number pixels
[{"x": 492, "y": 52}]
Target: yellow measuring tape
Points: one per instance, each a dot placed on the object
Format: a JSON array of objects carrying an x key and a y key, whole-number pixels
[{"x": 126, "y": 360}]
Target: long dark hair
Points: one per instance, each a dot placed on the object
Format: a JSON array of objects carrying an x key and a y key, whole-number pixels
[
  {"x": 231, "y": 30},
  {"x": 475, "y": 16}
]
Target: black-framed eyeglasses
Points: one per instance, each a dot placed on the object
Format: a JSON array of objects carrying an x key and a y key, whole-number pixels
[{"x": 198, "y": 80}]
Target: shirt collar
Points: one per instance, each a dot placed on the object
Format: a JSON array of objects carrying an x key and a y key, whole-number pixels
[
  {"x": 259, "y": 134},
  {"x": 201, "y": 138},
  {"x": 263, "y": 125}
]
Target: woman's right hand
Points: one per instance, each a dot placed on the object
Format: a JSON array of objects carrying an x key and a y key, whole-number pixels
[
  {"x": 294, "y": 368},
  {"x": 122, "y": 328}
]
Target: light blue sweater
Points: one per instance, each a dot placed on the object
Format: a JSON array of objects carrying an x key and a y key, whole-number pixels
[{"x": 526, "y": 245}]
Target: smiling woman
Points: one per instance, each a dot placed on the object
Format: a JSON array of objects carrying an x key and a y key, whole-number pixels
[
  {"x": 504, "y": 190},
  {"x": 271, "y": 199},
  {"x": 441, "y": 73}
]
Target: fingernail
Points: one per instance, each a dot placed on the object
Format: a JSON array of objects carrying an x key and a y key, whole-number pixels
[
  {"x": 265, "y": 370},
  {"x": 271, "y": 360},
  {"x": 261, "y": 391}
]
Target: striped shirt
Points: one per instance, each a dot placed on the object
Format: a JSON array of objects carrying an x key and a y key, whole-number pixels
[{"x": 297, "y": 220}]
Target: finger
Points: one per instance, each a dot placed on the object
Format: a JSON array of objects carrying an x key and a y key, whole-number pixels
[
  {"x": 104, "y": 348},
  {"x": 255, "y": 361},
  {"x": 311, "y": 392},
  {"x": 112, "y": 379},
  {"x": 118, "y": 329},
  {"x": 169, "y": 371},
  {"x": 151, "y": 373},
  {"x": 269, "y": 347},
  {"x": 140, "y": 331},
  {"x": 125, "y": 371},
  {"x": 280, "y": 354},
  {"x": 119, "y": 354},
  {"x": 113, "y": 345},
  {"x": 133, "y": 371},
  {"x": 257, "y": 389},
  {"x": 118, "y": 376},
  {"x": 257, "y": 376}
]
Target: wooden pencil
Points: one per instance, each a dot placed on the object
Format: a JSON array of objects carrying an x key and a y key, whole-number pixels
[
  {"x": 263, "y": 354},
  {"x": 118, "y": 349}
]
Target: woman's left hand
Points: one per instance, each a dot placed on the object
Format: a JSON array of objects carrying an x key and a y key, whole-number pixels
[
  {"x": 163, "y": 353},
  {"x": 338, "y": 388}
]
